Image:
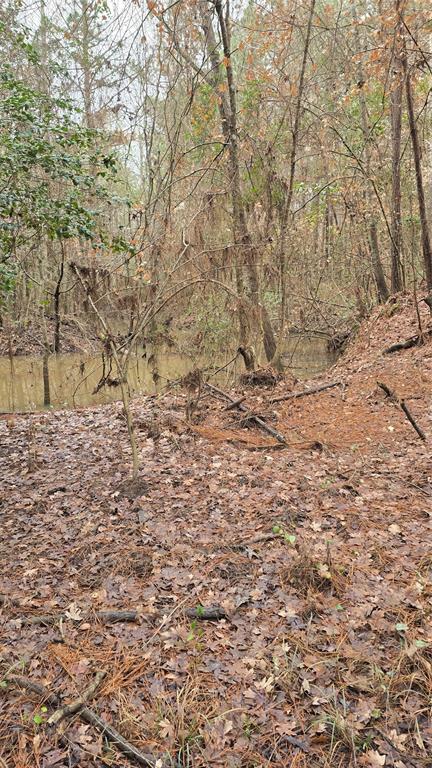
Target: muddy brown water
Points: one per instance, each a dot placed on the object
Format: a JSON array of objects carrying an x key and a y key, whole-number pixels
[{"x": 74, "y": 377}]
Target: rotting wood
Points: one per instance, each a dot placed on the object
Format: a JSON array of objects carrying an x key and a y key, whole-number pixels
[
  {"x": 230, "y": 406},
  {"x": 112, "y": 617},
  {"x": 311, "y": 391},
  {"x": 401, "y": 403},
  {"x": 70, "y": 709},
  {"x": 106, "y": 617},
  {"x": 92, "y": 718},
  {"x": 215, "y": 613},
  {"x": 256, "y": 419},
  {"x": 412, "y": 341}
]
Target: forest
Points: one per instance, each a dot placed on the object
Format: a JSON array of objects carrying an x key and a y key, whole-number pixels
[{"x": 215, "y": 383}]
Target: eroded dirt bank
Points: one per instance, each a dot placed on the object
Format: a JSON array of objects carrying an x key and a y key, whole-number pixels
[{"x": 319, "y": 555}]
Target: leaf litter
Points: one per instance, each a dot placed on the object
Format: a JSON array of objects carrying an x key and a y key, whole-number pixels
[{"x": 316, "y": 561}]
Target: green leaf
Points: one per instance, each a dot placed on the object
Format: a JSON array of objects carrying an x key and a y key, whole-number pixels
[
  {"x": 276, "y": 529},
  {"x": 290, "y": 538},
  {"x": 38, "y": 719},
  {"x": 401, "y": 627},
  {"x": 421, "y": 644}
]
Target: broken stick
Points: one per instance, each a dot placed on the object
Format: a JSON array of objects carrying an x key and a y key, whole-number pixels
[
  {"x": 256, "y": 419},
  {"x": 89, "y": 716},
  {"x": 412, "y": 341},
  {"x": 303, "y": 393},
  {"x": 106, "y": 617},
  {"x": 401, "y": 403},
  {"x": 75, "y": 706}
]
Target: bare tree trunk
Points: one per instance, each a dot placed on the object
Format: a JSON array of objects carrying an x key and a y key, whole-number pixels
[
  {"x": 86, "y": 65},
  {"x": 57, "y": 318},
  {"x": 248, "y": 252},
  {"x": 46, "y": 379},
  {"x": 377, "y": 267},
  {"x": 426, "y": 242},
  {"x": 286, "y": 211},
  {"x": 396, "y": 132}
]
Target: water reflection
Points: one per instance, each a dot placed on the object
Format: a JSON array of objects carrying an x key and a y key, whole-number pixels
[{"x": 74, "y": 377}]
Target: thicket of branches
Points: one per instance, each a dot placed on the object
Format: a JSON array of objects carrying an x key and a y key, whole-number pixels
[{"x": 260, "y": 165}]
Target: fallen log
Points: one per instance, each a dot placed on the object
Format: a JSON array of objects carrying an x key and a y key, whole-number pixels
[
  {"x": 401, "y": 403},
  {"x": 91, "y": 717},
  {"x": 70, "y": 709},
  {"x": 256, "y": 419},
  {"x": 303, "y": 393},
  {"x": 412, "y": 341}
]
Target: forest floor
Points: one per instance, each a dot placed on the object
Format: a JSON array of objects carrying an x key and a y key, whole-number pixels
[{"x": 316, "y": 557}]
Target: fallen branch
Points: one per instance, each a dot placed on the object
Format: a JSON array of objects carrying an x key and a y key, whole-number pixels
[
  {"x": 118, "y": 740},
  {"x": 106, "y": 617},
  {"x": 37, "y": 688},
  {"x": 234, "y": 404},
  {"x": 112, "y": 617},
  {"x": 401, "y": 403},
  {"x": 206, "y": 614},
  {"x": 413, "y": 341},
  {"x": 75, "y": 706},
  {"x": 311, "y": 391},
  {"x": 252, "y": 417},
  {"x": 89, "y": 716}
]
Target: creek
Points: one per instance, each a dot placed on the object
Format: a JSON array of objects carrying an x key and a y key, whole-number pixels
[{"x": 73, "y": 378}]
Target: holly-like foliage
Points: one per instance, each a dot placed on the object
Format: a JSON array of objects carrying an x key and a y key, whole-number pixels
[{"x": 54, "y": 177}]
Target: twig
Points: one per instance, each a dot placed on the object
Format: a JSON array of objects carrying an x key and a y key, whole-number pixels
[
  {"x": 118, "y": 740},
  {"x": 75, "y": 706},
  {"x": 89, "y": 716},
  {"x": 401, "y": 403},
  {"x": 311, "y": 391},
  {"x": 413, "y": 761},
  {"x": 29, "y": 685},
  {"x": 256, "y": 419}
]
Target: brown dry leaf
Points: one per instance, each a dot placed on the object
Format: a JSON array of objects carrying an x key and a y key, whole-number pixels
[
  {"x": 394, "y": 528},
  {"x": 372, "y": 759},
  {"x": 398, "y": 739}
]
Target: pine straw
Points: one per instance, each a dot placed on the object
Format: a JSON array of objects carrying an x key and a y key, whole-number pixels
[{"x": 217, "y": 434}]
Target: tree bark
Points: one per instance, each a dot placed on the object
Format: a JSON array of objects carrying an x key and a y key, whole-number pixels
[
  {"x": 426, "y": 241},
  {"x": 248, "y": 252},
  {"x": 396, "y": 132},
  {"x": 377, "y": 267},
  {"x": 57, "y": 318},
  {"x": 285, "y": 215}
]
